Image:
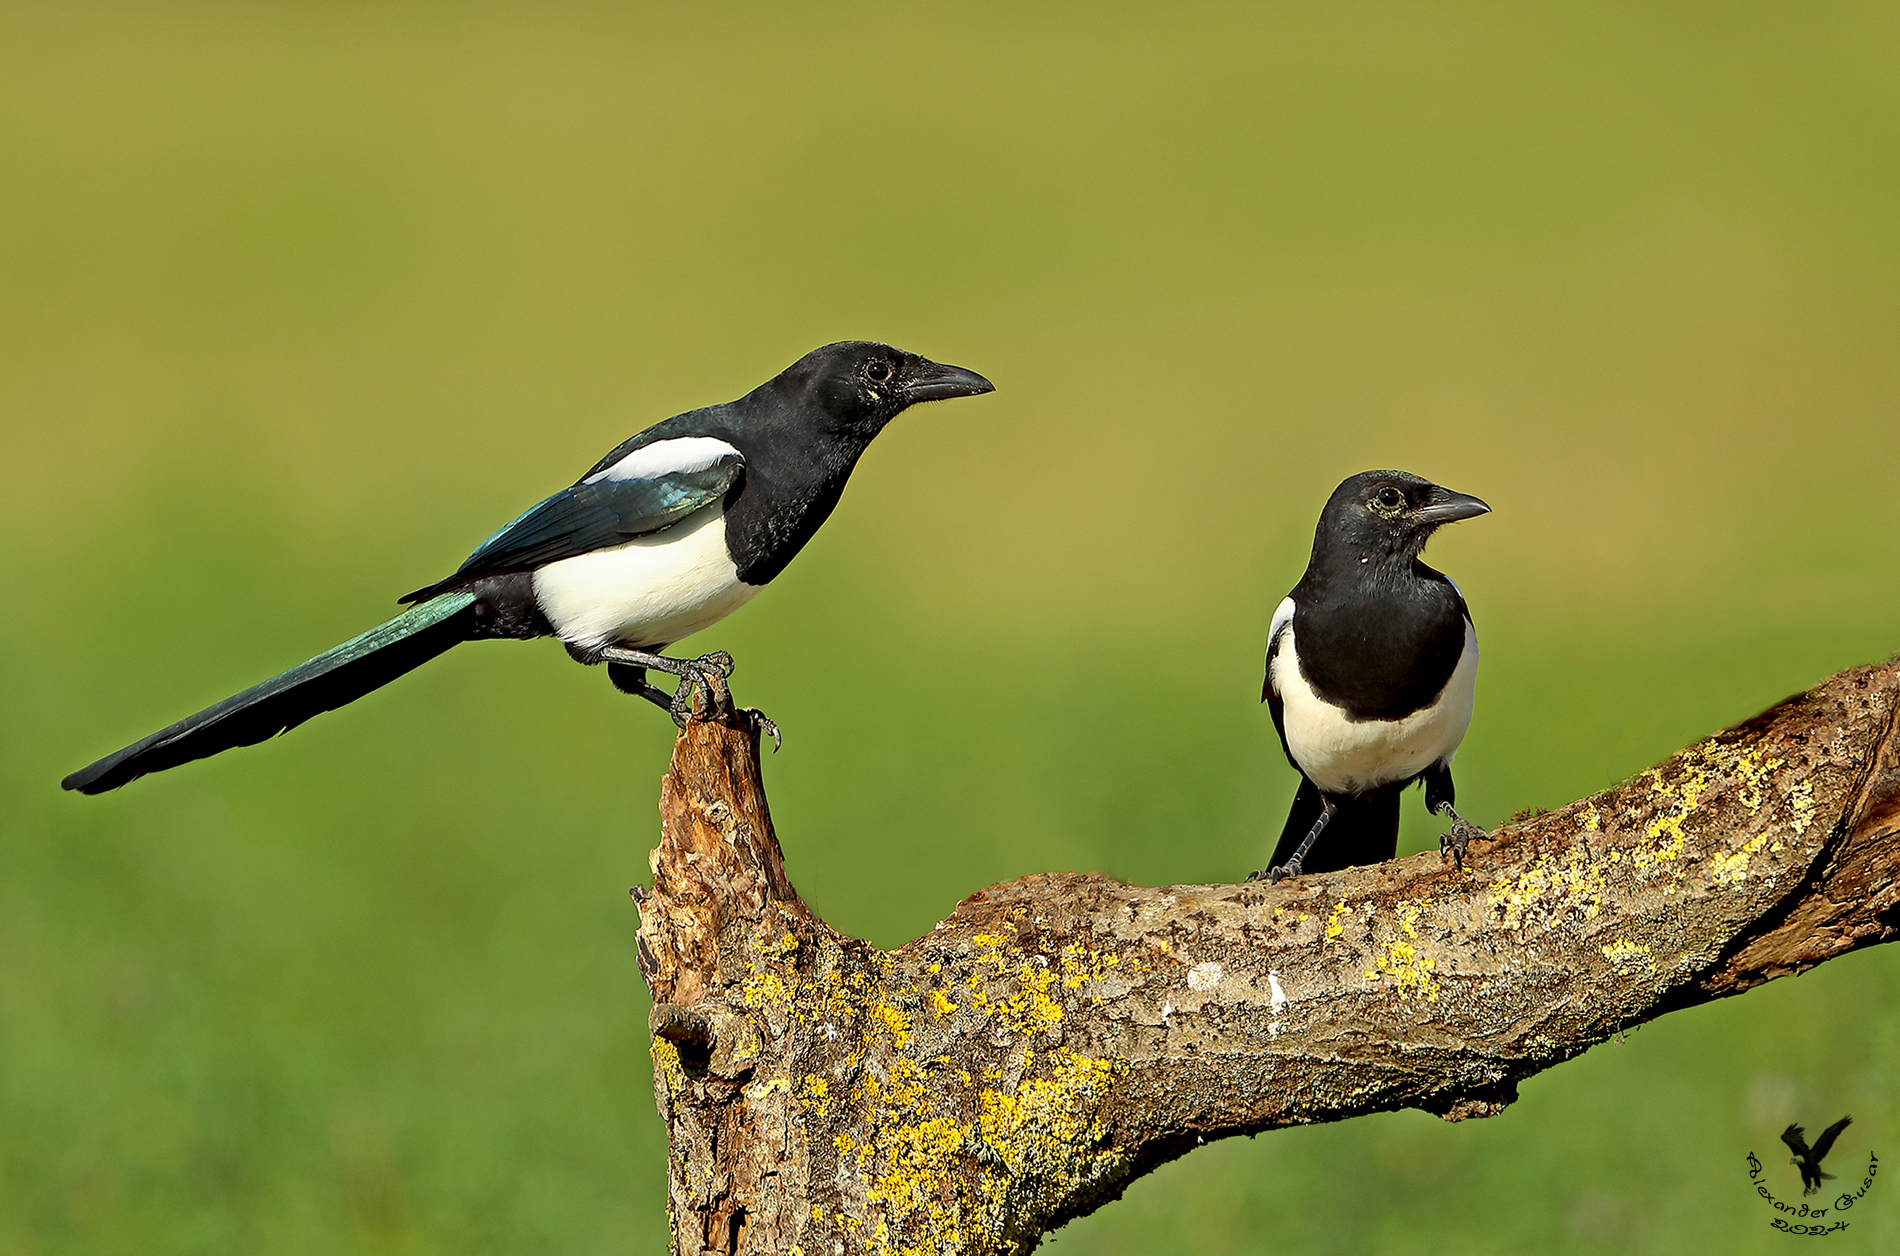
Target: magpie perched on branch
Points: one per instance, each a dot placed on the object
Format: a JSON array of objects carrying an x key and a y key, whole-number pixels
[
  {"x": 668, "y": 534},
  {"x": 1371, "y": 664},
  {"x": 1809, "y": 1162}
]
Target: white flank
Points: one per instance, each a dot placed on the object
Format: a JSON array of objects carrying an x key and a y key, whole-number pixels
[
  {"x": 648, "y": 592},
  {"x": 666, "y": 457},
  {"x": 1342, "y": 755}
]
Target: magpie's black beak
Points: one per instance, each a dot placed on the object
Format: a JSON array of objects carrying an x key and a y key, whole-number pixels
[
  {"x": 933, "y": 381},
  {"x": 1449, "y": 507}
]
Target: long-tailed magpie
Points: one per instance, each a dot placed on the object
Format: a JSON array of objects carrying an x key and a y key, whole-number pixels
[
  {"x": 1371, "y": 664},
  {"x": 672, "y": 531}
]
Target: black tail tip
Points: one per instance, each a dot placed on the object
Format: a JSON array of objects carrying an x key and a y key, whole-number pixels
[{"x": 87, "y": 780}]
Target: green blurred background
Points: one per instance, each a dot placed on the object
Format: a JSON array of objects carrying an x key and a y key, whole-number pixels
[{"x": 298, "y": 301}]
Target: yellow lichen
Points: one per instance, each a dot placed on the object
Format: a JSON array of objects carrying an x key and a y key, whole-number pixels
[
  {"x": 1408, "y": 971},
  {"x": 764, "y": 990},
  {"x": 1082, "y": 965},
  {"x": 1031, "y": 1008},
  {"x": 1408, "y": 918},
  {"x": 913, "y": 1158},
  {"x": 1623, "y": 951},
  {"x": 1570, "y": 884},
  {"x": 666, "y": 1058},
  {"x": 1334, "y": 926},
  {"x": 1730, "y": 868},
  {"x": 944, "y": 1169},
  {"x": 1801, "y": 802},
  {"x": 896, "y": 1022},
  {"x": 1048, "y": 1132},
  {"x": 1680, "y": 797},
  {"x": 1750, "y": 768}
]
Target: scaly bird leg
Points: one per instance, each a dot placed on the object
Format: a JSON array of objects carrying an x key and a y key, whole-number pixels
[
  {"x": 706, "y": 674},
  {"x": 1291, "y": 868},
  {"x": 1463, "y": 833},
  {"x": 630, "y": 679}
]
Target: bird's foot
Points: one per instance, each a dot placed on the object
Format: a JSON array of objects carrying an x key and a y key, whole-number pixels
[
  {"x": 1291, "y": 868},
  {"x": 706, "y": 675},
  {"x": 1462, "y": 834},
  {"x": 761, "y": 724}
]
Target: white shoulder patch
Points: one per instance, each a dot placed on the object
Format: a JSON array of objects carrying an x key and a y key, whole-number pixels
[
  {"x": 1282, "y": 619},
  {"x": 677, "y": 456}
]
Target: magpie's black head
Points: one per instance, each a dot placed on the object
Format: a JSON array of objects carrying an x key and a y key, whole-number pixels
[
  {"x": 857, "y": 386},
  {"x": 1381, "y": 516}
]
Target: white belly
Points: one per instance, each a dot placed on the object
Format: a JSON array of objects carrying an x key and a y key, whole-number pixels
[
  {"x": 1346, "y": 756},
  {"x": 648, "y": 592}
]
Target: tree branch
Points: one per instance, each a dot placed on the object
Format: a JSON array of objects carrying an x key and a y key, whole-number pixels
[{"x": 1059, "y": 1036}]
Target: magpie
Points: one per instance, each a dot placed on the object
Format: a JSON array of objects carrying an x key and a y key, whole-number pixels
[
  {"x": 669, "y": 533},
  {"x": 1371, "y": 664},
  {"x": 1809, "y": 1162}
]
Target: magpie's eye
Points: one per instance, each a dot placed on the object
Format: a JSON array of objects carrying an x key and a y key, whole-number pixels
[
  {"x": 1390, "y": 498},
  {"x": 879, "y": 371}
]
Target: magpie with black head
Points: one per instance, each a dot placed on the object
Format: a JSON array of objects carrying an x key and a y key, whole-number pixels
[
  {"x": 668, "y": 534},
  {"x": 1371, "y": 666}
]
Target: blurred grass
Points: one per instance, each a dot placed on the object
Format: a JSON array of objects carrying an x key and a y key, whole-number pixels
[{"x": 297, "y": 301}]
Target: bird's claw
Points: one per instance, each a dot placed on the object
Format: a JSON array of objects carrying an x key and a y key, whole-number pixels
[
  {"x": 706, "y": 674},
  {"x": 1456, "y": 842},
  {"x": 761, "y": 724},
  {"x": 1291, "y": 868}
]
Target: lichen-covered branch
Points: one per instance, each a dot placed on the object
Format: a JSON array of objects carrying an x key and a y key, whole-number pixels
[{"x": 1058, "y": 1036}]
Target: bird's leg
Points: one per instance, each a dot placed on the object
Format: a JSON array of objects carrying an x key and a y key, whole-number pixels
[
  {"x": 707, "y": 673},
  {"x": 630, "y": 679},
  {"x": 1438, "y": 801},
  {"x": 1291, "y": 868},
  {"x": 1463, "y": 833}
]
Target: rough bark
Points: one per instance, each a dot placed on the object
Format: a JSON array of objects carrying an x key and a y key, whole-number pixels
[{"x": 1061, "y": 1035}]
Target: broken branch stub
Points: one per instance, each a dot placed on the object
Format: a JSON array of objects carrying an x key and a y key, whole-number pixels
[{"x": 1060, "y": 1035}]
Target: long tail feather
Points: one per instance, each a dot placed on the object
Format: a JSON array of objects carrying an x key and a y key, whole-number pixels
[
  {"x": 1363, "y": 830},
  {"x": 326, "y": 682}
]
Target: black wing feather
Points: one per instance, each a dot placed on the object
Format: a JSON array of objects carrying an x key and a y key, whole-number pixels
[{"x": 589, "y": 516}]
